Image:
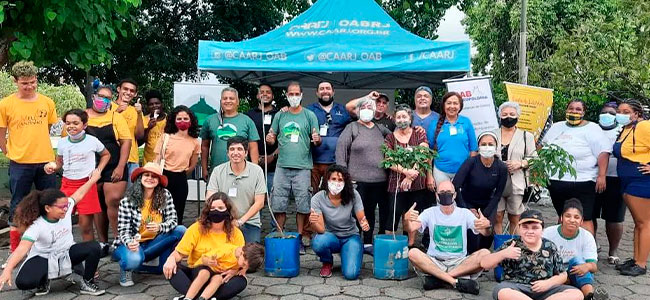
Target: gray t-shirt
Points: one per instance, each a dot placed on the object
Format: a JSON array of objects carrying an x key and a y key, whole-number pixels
[
  {"x": 359, "y": 149},
  {"x": 339, "y": 220}
]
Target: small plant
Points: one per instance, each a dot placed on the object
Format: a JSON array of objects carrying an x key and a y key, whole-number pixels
[
  {"x": 550, "y": 160},
  {"x": 417, "y": 157}
]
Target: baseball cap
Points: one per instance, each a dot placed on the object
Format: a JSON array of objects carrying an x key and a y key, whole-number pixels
[{"x": 531, "y": 215}]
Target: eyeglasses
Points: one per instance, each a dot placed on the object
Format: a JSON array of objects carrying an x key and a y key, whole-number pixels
[{"x": 61, "y": 206}]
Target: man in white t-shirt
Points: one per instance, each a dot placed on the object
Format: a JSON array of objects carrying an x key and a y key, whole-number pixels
[
  {"x": 577, "y": 248},
  {"x": 446, "y": 260}
]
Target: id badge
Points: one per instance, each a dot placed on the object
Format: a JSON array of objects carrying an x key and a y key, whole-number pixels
[
  {"x": 453, "y": 130},
  {"x": 294, "y": 138},
  {"x": 323, "y": 130},
  {"x": 232, "y": 192},
  {"x": 267, "y": 119}
]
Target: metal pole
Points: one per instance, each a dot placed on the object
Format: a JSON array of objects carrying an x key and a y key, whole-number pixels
[{"x": 523, "y": 35}]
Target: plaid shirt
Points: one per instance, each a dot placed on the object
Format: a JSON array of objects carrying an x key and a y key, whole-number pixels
[{"x": 129, "y": 218}]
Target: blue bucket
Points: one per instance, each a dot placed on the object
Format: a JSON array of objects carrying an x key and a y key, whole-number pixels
[
  {"x": 391, "y": 260},
  {"x": 499, "y": 239},
  {"x": 282, "y": 254}
]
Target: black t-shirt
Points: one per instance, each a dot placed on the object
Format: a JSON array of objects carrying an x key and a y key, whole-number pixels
[
  {"x": 387, "y": 122},
  {"x": 480, "y": 187},
  {"x": 256, "y": 115}
]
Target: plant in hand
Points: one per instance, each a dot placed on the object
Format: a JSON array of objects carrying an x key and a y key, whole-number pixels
[
  {"x": 417, "y": 157},
  {"x": 550, "y": 160}
]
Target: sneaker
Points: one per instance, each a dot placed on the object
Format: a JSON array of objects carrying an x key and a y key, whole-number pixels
[
  {"x": 303, "y": 251},
  {"x": 326, "y": 270},
  {"x": 368, "y": 249},
  {"x": 181, "y": 297},
  {"x": 467, "y": 286},
  {"x": 626, "y": 264},
  {"x": 600, "y": 294},
  {"x": 432, "y": 283},
  {"x": 634, "y": 270},
  {"x": 105, "y": 249},
  {"x": 126, "y": 278},
  {"x": 89, "y": 288},
  {"x": 43, "y": 289}
]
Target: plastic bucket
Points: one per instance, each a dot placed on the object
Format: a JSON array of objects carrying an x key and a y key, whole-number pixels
[
  {"x": 499, "y": 239},
  {"x": 391, "y": 259},
  {"x": 282, "y": 254}
]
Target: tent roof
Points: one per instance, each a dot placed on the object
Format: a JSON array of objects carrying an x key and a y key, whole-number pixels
[{"x": 353, "y": 44}]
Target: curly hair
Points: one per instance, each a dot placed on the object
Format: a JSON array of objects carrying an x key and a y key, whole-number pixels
[
  {"x": 205, "y": 222},
  {"x": 24, "y": 69},
  {"x": 347, "y": 194},
  {"x": 33, "y": 206},
  {"x": 171, "y": 128},
  {"x": 135, "y": 194},
  {"x": 443, "y": 116}
]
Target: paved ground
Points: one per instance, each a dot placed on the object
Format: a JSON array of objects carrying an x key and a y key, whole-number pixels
[{"x": 308, "y": 285}]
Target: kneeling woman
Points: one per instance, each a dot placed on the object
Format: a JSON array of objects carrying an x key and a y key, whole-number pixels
[
  {"x": 45, "y": 217},
  {"x": 147, "y": 224},
  {"x": 214, "y": 231},
  {"x": 334, "y": 213}
]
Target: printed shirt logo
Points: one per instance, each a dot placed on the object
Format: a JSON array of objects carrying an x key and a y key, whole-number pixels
[
  {"x": 290, "y": 129},
  {"x": 448, "y": 239},
  {"x": 226, "y": 131}
]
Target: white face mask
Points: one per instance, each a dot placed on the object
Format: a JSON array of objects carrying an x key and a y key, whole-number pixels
[
  {"x": 487, "y": 151},
  {"x": 294, "y": 101},
  {"x": 335, "y": 187},
  {"x": 366, "y": 115}
]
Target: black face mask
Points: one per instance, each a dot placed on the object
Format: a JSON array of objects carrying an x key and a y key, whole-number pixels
[
  {"x": 446, "y": 198},
  {"x": 216, "y": 216},
  {"x": 509, "y": 122},
  {"x": 324, "y": 102}
]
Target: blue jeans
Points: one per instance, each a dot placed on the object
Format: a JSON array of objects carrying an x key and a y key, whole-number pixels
[
  {"x": 161, "y": 246},
  {"x": 579, "y": 281},
  {"x": 131, "y": 166},
  {"x": 21, "y": 178},
  {"x": 252, "y": 233},
  {"x": 351, "y": 249}
]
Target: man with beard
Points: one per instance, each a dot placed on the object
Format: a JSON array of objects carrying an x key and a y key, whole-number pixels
[{"x": 262, "y": 117}]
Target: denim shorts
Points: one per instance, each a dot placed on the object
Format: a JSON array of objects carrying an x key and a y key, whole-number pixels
[{"x": 288, "y": 182}]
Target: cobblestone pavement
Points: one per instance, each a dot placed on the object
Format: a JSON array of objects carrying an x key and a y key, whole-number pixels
[{"x": 309, "y": 285}]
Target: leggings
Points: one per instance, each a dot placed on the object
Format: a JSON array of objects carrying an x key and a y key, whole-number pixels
[
  {"x": 177, "y": 186},
  {"x": 33, "y": 273},
  {"x": 184, "y": 275},
  {"x": 374, "y": 194}
]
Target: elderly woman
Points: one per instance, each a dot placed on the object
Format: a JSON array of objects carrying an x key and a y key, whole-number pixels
[
  {"x": 213, "y": 231},
  {"x": 515, "y": 146},
  {"x": 334, "y": 213},
  {"x": 632, "y": 149},
  {"x": 359, "y": 150},
  {"x": 587, "y": 143}
]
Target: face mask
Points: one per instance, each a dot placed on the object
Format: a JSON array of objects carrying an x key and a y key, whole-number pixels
[
  {"x": 216, "y": 216},
  {"x": 366, "y": 115},
  {"x": 326, "y": 102},
  {"x": 573, "y": 119},
  {"x": 403, "y": 124},
  {"x": 101, "y": 105},
  {"x": 183, "y": 125},
  {"x": 607, "y": 121},
  {"x": 509, "y": 122},
  {"x": 335, "y": 187},
  {"x": 622, "y": 119},
  {"x": 294, "y": 101},
  {"x": 78, "y": 136},
  {"x": 446, "y": 198},
  {"x": 487, "y": 151}
]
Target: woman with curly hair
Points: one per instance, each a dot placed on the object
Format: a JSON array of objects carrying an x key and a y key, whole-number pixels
[
  {"x": 214, "y": 230},
  {"x": 45, "y": 218},
  {"x": 335, "y": 211},
  {"x": 178, "y": 152},
  {"x": 147, "y": 224}
]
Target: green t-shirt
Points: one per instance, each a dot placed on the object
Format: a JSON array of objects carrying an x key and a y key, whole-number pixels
[
  {"x": 294, "y": 138},
  {"x": 213, "y": 130}
]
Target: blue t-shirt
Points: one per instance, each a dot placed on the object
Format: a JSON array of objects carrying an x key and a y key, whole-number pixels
[
  {"x": 339, "y": 118},
  {"x": 453, "y": 149},
  {"x": 426, "y": 121}
]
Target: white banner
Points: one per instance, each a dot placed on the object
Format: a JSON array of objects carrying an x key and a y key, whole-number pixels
[
  {"x": 203, "y": 99},
  {"x": 478, "y": 103}
]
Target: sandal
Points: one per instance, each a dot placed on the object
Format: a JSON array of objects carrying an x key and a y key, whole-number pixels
[{"x": 613, "y": 260}]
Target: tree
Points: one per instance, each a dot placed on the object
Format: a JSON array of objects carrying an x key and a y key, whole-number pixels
[{"x": 419, "y": 17}]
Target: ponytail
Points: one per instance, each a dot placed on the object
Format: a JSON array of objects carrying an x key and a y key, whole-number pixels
[{"x": 33, "y": 206}]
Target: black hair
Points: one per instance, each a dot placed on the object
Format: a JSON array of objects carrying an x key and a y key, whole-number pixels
[
  {"x": 636, "y": 106},
  {"x": 153, "y": 94},
  {"x": 237, "y": 140},
  {"x": 171, "y": 128},
  {"x": 83, "y": 115},
  {"x": 443, "y": 116},
  {"x": 33, "y": 206},
  {"x": 584, "y": 105},
  {"x": 128, "y": 80},
  {"x": 347, "y": 194},
  {"x": 573, "y": 203},
  {"x": 324, "y": 81}
]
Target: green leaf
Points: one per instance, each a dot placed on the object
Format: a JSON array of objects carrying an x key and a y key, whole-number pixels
[{"x": 50, "y": 14}]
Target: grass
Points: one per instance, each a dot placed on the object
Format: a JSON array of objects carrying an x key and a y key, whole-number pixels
[{"x": 4, "y": 161}]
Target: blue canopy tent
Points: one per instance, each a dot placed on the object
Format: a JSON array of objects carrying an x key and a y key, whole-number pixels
[{"x": 351, "y": 43}]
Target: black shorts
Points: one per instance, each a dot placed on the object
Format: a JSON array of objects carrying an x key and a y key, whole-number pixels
[
  {"x": 405, "y": 200},
  {"x": 609, "y": 205},
  {"x": 584, "y": 191},
  {"x": 528, "y": 291},
  {"x": 108, "y": 172}
]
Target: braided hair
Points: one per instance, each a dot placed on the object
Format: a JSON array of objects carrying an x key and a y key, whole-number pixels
[
  {"x": 636, "y": 106},
  {"x": 443, "y": 116}
]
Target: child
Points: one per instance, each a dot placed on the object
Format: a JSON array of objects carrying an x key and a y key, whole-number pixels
[
  {"x": 532, "y": 266},
  {"x": 213, "y": 264},
  {"x": 76, "y": 154}
]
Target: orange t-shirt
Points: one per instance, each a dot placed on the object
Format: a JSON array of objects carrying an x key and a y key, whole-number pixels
[{"x": 178, "y": 152}]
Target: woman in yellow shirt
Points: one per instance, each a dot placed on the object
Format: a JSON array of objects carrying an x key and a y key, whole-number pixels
[
  {"x": 632, "y": 149},
  {"x": 214, "y": 229}
]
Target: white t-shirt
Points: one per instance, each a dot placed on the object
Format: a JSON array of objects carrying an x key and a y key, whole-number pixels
[
  {"x": 79, "y": 157},
  {"x": 49, "y": 236},
  {"x": 585, "y": 143},
  {"x": 611, "y": 136},
  {"x": 448, "y": 233},
  {"x": 582, "y": 245}
]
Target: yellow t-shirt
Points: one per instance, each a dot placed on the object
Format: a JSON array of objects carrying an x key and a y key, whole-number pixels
[
  {"x": 131, "y": 117},
  {"x": 636, "y": 146},
  {"x": 194, "y": 244},
  {"x": 225, "y": 256},
  {"x": 27, "y": 123},
  {"x": 148, "y": 216},
  {"x": 152, "y": 139}
]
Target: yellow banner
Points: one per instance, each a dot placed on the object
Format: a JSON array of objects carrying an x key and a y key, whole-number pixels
[{"x": 536, "y": 104}]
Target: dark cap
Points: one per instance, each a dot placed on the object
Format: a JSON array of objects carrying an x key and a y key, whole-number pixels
[
  {"x": 382, "y": 95},
  {"x": 531, "y": 215}
]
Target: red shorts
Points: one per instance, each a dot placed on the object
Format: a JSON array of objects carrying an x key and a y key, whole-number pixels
[{"x": 90, "y": 203}]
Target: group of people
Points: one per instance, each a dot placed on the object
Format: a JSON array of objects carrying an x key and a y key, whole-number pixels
[{"x": 326, "y": 156}]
